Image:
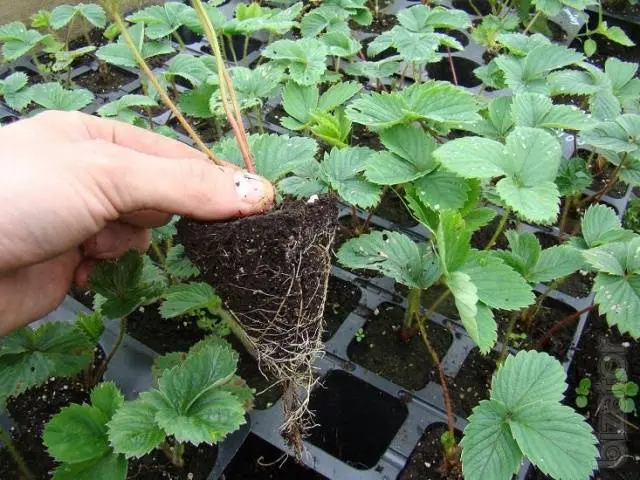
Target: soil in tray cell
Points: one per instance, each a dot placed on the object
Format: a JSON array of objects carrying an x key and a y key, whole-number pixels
[
  {"x": 624, "y": 8},
  {"x": 574, "y": 216},
  {"x": 345, "y": 408},
  {"x": 473, "y": 7},
  {"x": 342, "y": 299},
  {"x": 392, "y": 208},
  {"x": 481, "y": 237},
  {"x": 472, "y": 383},
  {"x": 238, "y": 47},
  {"x": 198, "y": 463},
  {"x": 578, "y": 284},
  {"x": 607, "y": 48},
  {"x": 463, "y": 68},
  {"x": 383, "y": 351},
  {"x": 178, "y": 335},
  {"x": 601, "y": 180},
  {"x": 111, "y": 79},
  {"x": 426, "y": 459},
  {"x": 259, "y": 460},
  {"x": 600, "y": 352}
]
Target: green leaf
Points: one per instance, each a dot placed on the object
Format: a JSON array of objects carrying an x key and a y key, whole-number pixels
[
  {"x": 29, "y": 356},
  {"x": 133, "y": 430},
  {"x": 597, "y": 224},
  {"x": 107, "y": 398},
  {"x": 340, "y": 44},
  {"x": 556, "y": 262},
  {"x": 453, "y": 241},
  {"x": 499, "y": 120},
  {"x": 91, "y": 325},
  {"x": 379, "y": 110},
  {"x": 189, "y": 67},
  {"x": 63, "y": 14},
  {"x": 471, "y": 157},
  {"x": 619, "y": 299},
  {"x": 274, "y": 155},
  {"x": 121, "y": 108},
  {"x": 627, "y": 405},
  {"x": 118, "y": 281},
  {"x": 343, "y": 169},
  {"x": 77, "y": 434},
  {"x": 616, "y": 34},
  {"x": 556, "y": 439},
  {"x": 120, "y": 55},
  {"x": 380, "y": 69},
  {"x": 488, "y": 448},
  {"x": 13, "y": 89},
  {"x": 53, "y": 96},
  {"x": 498, "y": 285},
  {"x": 184, "y": 298},
  {"x": 631, "y": 389},
  {"x": 581, "y": 401},
  {"x": 160, "y": 20},
  {"x": 305, "y": 58},
  {"x": 573, "y": 177},
  {"x": 590, "y": 47},
  {"x": 300, "y": 101},
  {"x": 442, "y": 190},
  {"x": 17, "y": 40},
  {"x": 196, "y": 102},
  {"x": 108, "y": 467},
  {"x": 537, "y": 111},
  {"x": 189, "y": 405},
  {"x": 617, "y": 135},
  {"x": 394, "y": 255},
  {"x": 178, "y": 265},
  {"x": 338, "y": 95},
  {"x": 409, "y": 156}
]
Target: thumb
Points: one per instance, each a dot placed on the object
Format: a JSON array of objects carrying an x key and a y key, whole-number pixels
[{"x": 187, "y": 186}]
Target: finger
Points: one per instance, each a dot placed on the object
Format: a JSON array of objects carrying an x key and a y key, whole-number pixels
[
  {"x": 29, "y": 293},
  {"x": 83, "y": 273},
  {"x": 115, "y": 240},
  {"x": 146, "y": 218},
  {"x": 134, "y": 181}
]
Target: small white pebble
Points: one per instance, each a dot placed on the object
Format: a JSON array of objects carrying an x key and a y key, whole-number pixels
[
  {"x": 52, "y": 379},
  {"x": 65, "y": 387},
  {"x": 141, "y": 309},
  {"x": 427, "y": 464},
  {"x": 626, "y": 344},
  {"x": 44, "y": 397},
  {"x": 376, "y": 312},
  {"x": 313, "y": 199},
  {"x": 190, "y": 476}
]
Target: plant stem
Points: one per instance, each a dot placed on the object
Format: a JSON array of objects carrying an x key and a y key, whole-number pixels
[
  {"x": 158, "y": 252},
  {"x": 413, "y": 306},
  {"x": 568, "y": 202},
  {"x": 475, "y": 8},
  {"x": 532, "y": 312},
  {"x": 513, "y": 318},
  {"x": 229, "y": 102},
  {"x": 67, "y": 38},
  {"x": 336, "y": 64},
  {"x": 561, "y": 325},
  {"x": 179, "y": 39},
  {"x": 174, "y": 453},
  {"x": 533, "y": 20},
  {"x": 234, "y": 325},
  {"x": 609, "y": 185},
  {"x": 259, "y": 118},
  {"x": 245, "y": 47},
  {"x": 438, "y": 301},
  {"x": 499, "y": 229},
  {"x": 5, "y": 438},
  {"x": 154, "y": 81},
  {"x": 452, "y": 67},
  {"x": 103, "y": 366},
  {"x": 233, "y": 50},
  {"x": 443, "y": 379}
]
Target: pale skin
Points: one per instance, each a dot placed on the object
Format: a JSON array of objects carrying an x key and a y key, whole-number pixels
[{"x": 76, "y": 190}]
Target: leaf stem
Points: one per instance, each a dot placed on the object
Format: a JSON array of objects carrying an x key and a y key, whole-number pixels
[
  {"x": 115, "y": 13},
  {"x": 561, "y": 325},
  {"x": 259, "y": 118},
  {"x": 413, "y": 307},
  {"x": 5, "y": 438},
  {"x": 533, "y": 20},
  {"x": 568, "y": 202},
  {"x": 609, "y": 185},
  {"x": 503, "y": 221},
  {"x": 245, "y": 47},
  {"x": 513, "y": 318},
  {"x": 179, "y": 39},
  {"x": 452, "y": 67},
  {"x": 229, "y": 101},
  {"x": 105, "y": 363}
]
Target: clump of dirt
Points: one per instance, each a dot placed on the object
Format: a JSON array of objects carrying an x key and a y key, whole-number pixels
[{"x": 272, "y": 271}]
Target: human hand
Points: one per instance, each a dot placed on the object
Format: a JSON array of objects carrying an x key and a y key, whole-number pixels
[{"x": 76, "y": 189}]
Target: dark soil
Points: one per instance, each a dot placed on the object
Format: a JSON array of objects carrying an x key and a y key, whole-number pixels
[
  {"x": 389, "y": 52},
  {"x": 473, "y": 381},
  {"x": 198, "y": 463},
  {"x": 481, "y": 237},
  {"x": 384, "y": 353},
  {"x": 205, "y": 127},
  {"x": 551, "y": 312},
  {"x": 457, "y": 34},
  {"x": 607, "y": 48},
  {"x": 275, "y": 115},
  {"x": 578, "y": 285},
  {"x": 29, "y": 444},
  {"x": 463, "y": 68},
  {"x": 259, "y": 460},
  {"x": 342, "y": 299},
  {"x": 380, "y": 23},
  {"x": 110, "y": 81},
  {"x": 429, "y": 296},
  {"x": 178, "y": 335},
  {"x": 576, "y": 211},
  {"x": 95, "y": 35},
  {"x": 623, "y": 8},
  {"x": 602, "y": 178},
  {"x": 364, "y": 137},
  {"x": 159, "y": 60},
  {"x": 576, "y": 100},
  {"x": 392, "y": 208},
  {"x": 345, "y": 408},
  {"x": 426, "y": 459},
  {"x": 600, "y": 352},
  {"x": 238, "y": 48},
  {"x": 483, "y": 6}
]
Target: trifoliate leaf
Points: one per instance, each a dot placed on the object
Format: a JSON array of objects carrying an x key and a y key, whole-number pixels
[
  {"x": 274, "y": 155},
  {"x": 343, "y": 170},
  {"x": 160, "y": 20},
  {"x": 600, "y": 225},
  {"x": 54, "y": 96},
  {"x": 184, "y": 298},
  {"x": 17, "y": 40},
  {"x": 133, "y": 430},
  {"x": 499, "y": 286},
  {"x": 323, "y": 18},
  {"x": 394, "y": 255},
  {"x": 488, "y": 448},
  {"x": 15, "y": 92},
  {"x": 618, "y": 135},
  {"x": 92, "y": 13},
  {"x": 409, "y": 156},
  {"x": 29, "y": 356},
  {"x": 573, "y": 177},
  {"x": 300, "y": 101},
  {"x": 119, "y": 53},
  {"x": 498, "y": 121},
  {"x": 537, "y": 111},
  {"x": 305, "y": 58}
]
